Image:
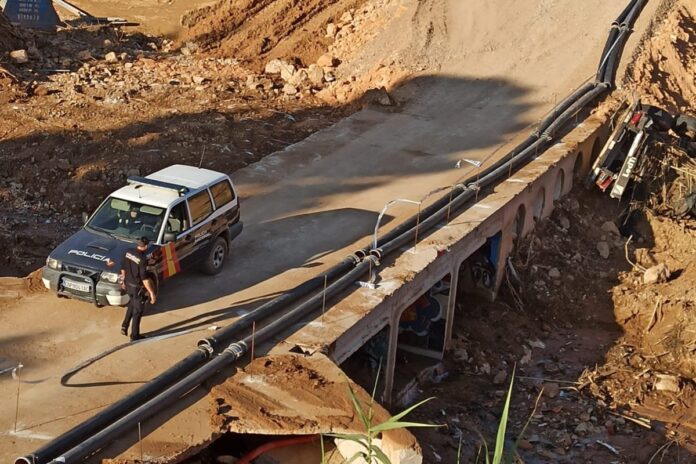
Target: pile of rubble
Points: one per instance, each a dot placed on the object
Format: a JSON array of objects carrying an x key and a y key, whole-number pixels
[
  {"x": 600, "y": 344},
  {"x": 294, "y": 80},
  {"x": 10, "y": 38}
]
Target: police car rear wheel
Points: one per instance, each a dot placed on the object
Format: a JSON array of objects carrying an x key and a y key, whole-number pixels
[{"x": 216, "y": 257}]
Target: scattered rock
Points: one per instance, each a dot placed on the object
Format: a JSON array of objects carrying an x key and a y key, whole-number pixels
[
  {"x": 298, "y": 78},
  {"x": 315, "y": 73},
  {"x": 603, "y": 249},
  {"x": 461, "y": 355},
  {"x": 327, "y": 61},
  {"x": 252, "y": 82},
  {"x": 266, "y": 83},
  {"x": 667, "y": 383},
  {"x": 582, "y": 427},
  {"x": 189, "y": 48},
  {"x": 551, "y": 390},
  {"x": 84, "y": 55},
  {"x": 289, "y": 89},
  {"x": 500, "y": 378},
  {"x": 63, "y": 164},
  {"x": 573, "y": 204},
  {"x": 610, "y": 227},
  {"x": 379, "y": 96},
  {"x": 564, "y": 222},
  {"x": 656, "y": 274},
  {"x": 274, "y": 67},
  {"x": 111, "y": 57},
  {"x": 331, "y": 30},
  {"x": 19, "y": 56},
  {"x": 554, "y": 273},
  {"x": 286, "y": 71},
  {"x": 41, "y": 91},
  {"x": 198, "y": 80}
]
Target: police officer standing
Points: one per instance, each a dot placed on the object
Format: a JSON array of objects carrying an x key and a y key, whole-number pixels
[{"x": 138, "y": 286}]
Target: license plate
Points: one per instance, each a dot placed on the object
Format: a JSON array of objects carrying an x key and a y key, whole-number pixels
[{"x": 79, "y": 286}]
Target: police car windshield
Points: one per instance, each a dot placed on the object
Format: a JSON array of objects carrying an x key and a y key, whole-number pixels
[{"x": 127, "y": 219}]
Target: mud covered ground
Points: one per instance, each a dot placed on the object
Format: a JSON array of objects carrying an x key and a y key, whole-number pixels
[
  {"x": 75, "y": 122},
  {"x": 578, "y": 327}
]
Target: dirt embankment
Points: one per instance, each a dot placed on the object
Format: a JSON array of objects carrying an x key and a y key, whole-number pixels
[
  {"x": 664, "y": 71},
  {"x": 10, "y": 39},
  {"x": 257, "y": 31},
  {"x": 612, "y": 349}
]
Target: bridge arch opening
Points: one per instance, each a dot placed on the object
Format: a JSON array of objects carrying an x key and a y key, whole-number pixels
[
  {"x": 558, "y": 185},
  {"x": 538, "y": 204}
]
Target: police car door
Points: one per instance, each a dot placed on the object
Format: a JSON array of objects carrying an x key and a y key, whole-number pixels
[
  {"x": 200, "y": 209},
  {"x": 177, "y": 244}
]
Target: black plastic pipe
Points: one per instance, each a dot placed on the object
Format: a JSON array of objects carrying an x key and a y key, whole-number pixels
[
  {"x": 116, "y": 410},
  {"x": 632, "y": 15},
  {"x": 613, "y": 33},
  {"x": 229, "y": 355},
  {"x": 196, "y": 359}
]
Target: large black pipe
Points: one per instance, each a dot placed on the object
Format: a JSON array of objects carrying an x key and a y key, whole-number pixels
[
  {"x": 228, "y": 356},
  {"x": 117, "y": 409},
  {"x": 401, "y": 234},
  {"x": 612, "y": 61},
  {"x": 174, "y": 373},
  {"x": 613, "y": 33}
]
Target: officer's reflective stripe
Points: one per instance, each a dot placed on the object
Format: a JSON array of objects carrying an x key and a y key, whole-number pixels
[
  {"x": 171, "y": 261},
  {"x": 133, "y": 258}
]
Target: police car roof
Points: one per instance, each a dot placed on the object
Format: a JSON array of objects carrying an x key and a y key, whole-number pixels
[{"x": 188, "y": 176}]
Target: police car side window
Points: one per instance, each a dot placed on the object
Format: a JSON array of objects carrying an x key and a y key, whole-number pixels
[
  {"x": 200, "y": 207},
  {"x": 178, "y": 219},
  {"x": 222, "y": 193}
]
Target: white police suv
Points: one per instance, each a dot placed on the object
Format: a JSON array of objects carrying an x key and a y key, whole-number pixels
[{"x": 190, "y": 215}]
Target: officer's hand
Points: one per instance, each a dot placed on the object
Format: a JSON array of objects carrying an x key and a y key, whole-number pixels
[{"x": 153, "y": 298}]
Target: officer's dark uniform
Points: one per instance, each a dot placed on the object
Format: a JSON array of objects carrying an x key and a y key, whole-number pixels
[{"x": 134, "y": 267}]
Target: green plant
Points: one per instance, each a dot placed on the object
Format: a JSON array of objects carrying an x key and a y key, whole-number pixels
[
  {"x": 499, "y": 454},
  {"x": 369, "y": 451}
]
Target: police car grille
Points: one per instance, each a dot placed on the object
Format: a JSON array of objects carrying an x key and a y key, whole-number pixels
[{"x": 81, "y": 271}]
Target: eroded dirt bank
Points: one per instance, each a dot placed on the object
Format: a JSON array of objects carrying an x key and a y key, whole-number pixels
[{"x": 612, "y": 354}]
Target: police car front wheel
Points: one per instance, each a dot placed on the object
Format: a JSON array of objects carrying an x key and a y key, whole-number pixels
[{"x": 216, "y": 257}]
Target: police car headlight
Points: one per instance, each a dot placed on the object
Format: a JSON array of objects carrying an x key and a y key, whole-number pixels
[
  {"x": 110, "y": 277},
  {"x": 53, "y": 263}
]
